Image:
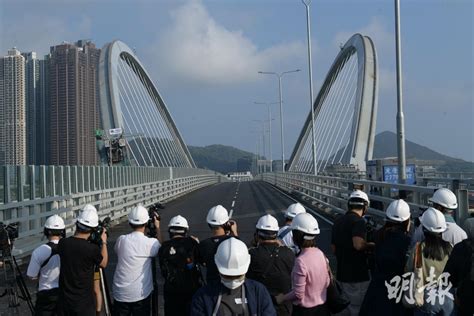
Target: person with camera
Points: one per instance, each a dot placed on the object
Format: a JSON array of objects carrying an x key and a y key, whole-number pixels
[
  {"x": 234, "y": 294},
  {"x": 79, "y": 257},
  {"x": 133, "y": 279},
  {"x": 179, "y": 268},
  {"x": 391, "y": 247},
  {"x": 222, "y": 228},
  {"x": 285, "y": 233},
  {"x": 271, "y": 262},
  {"x": 349, "y": 243},
  {"x": 44, "y": 266}
]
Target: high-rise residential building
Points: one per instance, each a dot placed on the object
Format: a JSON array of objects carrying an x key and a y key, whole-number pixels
[
  {"x": 32, "y": 97},
  {"x": 12, "y": 109},
  {"x": 74, "y": 103},
  {"x": 43, "y": 115}
]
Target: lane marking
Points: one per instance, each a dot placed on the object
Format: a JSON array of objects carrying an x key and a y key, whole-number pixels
[
  {"x": 307, "y": 208},
  {"x": 233, "y": 203},
  {"x": 231, "y": 212}
]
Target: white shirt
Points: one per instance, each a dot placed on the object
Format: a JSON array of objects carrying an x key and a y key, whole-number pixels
[
  {"x": 288, "y": 239},
  {"x": 133, "y": 278},
  {"x": 453, "y": 234},
  {"x": 49, "y": 274}
]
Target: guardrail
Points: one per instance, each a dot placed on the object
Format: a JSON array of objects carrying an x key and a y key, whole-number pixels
[
  {"x": 331, "y": 193},
  {"x": 30, "y": 194}
]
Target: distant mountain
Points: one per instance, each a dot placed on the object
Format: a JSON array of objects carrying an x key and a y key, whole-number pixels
[
  {"x": 226, "y": 159},
  {"x": 386, "y": 146},
  {"x": 221, "y": 158}
]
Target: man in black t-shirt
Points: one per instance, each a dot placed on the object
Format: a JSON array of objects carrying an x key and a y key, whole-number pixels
[
  {"x": 222, "y": 228},
  {"x": 350, "y": 246},
  {"x": 78, "y": 260}
]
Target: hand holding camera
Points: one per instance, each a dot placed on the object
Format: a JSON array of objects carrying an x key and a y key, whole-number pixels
[{"x": 231, "y": 227}]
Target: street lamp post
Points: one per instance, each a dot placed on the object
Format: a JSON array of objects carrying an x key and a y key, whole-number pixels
[
  {"x": 263, "y": 142},
  {"x": 280, "y": 75},
  {"x": 269, "y": 130},
  {"x": 311, "y": 100},
  {"x": 400, "y": 116}
]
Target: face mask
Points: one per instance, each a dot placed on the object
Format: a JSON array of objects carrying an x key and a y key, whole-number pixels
[{"x": 232, "y": 283}]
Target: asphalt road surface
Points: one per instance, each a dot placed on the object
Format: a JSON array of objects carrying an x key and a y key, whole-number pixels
[{"x": 247, "y": 201}]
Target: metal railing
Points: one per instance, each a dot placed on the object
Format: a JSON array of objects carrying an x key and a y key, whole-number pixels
[
  {"x": 30, "y": 194},
  {"x": 331, "y": 193}
]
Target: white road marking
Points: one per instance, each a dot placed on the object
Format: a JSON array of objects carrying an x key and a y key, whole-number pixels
[{"x": 233, "y": 203}]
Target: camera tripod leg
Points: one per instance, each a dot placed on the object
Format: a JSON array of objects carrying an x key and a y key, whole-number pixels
[
  {"x": 105, "y": 293},
  {"x": 23, "y": 288}
]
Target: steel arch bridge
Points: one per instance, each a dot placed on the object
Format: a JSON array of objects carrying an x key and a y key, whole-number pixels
[
  {"x": 129, "y": 100},
  {"x": 345, "y": 112}
]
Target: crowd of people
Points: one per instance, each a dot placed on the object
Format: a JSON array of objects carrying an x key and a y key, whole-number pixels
[{"x": 398, "y": 270}]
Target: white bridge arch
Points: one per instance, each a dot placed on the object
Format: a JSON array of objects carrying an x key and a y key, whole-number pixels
[
  {"x": 129, "y": 100},
  {"x": 345, "y": 112}
]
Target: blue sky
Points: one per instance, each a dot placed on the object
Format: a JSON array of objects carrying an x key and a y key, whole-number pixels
[{"x": 204, "y": 57}]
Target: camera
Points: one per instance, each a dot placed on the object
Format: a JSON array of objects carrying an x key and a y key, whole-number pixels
[
  {"x": 8, "y": 233},
  {"x": 153, "y": 213},
  {"x": 95, "y": 235}
]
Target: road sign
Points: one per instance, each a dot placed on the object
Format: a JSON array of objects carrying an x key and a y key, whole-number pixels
[
  {"x": 115, "y": 131},
  {"x": 390, "y": 174}
]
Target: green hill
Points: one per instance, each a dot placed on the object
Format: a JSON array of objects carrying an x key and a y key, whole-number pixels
[
  {"x": 221, "y": 158},
  {"x": 386, "y": 146},
  {"x": 226, "y": 159}
]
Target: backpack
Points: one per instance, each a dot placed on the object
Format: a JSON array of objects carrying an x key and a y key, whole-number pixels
[
  {"x": 179, "y": 267},
  {"x": 54, "y": 251}
]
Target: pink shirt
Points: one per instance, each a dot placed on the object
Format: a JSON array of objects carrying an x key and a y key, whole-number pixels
[{"x": 309, "y": 279}]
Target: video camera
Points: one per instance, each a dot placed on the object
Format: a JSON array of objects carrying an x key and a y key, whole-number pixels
[
  {"x": 153, "y": 213},
  {"x": 8, "y": 233},
  {"x": 95, "y": 235}
]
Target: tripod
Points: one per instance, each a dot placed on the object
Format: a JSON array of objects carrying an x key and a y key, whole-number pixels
[{"x": 16, "y": 288}]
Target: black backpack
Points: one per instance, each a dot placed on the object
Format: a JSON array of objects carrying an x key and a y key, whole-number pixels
[
  {"x": 54, "y": 251},
  {"x": 179, "y": 266}
]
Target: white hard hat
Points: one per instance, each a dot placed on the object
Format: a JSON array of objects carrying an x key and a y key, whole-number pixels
[
  {"x": 88, "y": 217},
  {"x": 89, "y": 207},
  {"x": 232, "y": 257},
  {"x": 398, "y": 211},
  {"x": 433, "y": 220},
  {"x": 267, "y": 222},
  {"x": 294, "y": 209},
  {"x": 217, "y": 216},
  {"x": 305, "y": 223},
  {"x": 446, "y": 198},
  {"x": 138, "y": 215},
  {"x": 54, "y": 222},
  {"x": 178, "y": 221},
  {"x": 358, "y": 194}
]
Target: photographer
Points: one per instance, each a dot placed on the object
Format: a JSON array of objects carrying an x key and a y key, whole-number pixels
[
  {"x": 178, "y": 268},
  {"x": 222, "y": 228},
  {"x": 133, "y": 281},
  {"x": 349, "y": 243},
  {"x": 45, "y": 264},
  {"x": 78, "y": 260}
]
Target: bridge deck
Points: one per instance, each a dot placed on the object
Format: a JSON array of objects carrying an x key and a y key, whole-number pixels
[{"x": 249, "y": 201}]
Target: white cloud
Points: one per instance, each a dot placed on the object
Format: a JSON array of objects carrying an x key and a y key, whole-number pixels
[{"x": 197, "y": 47}]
